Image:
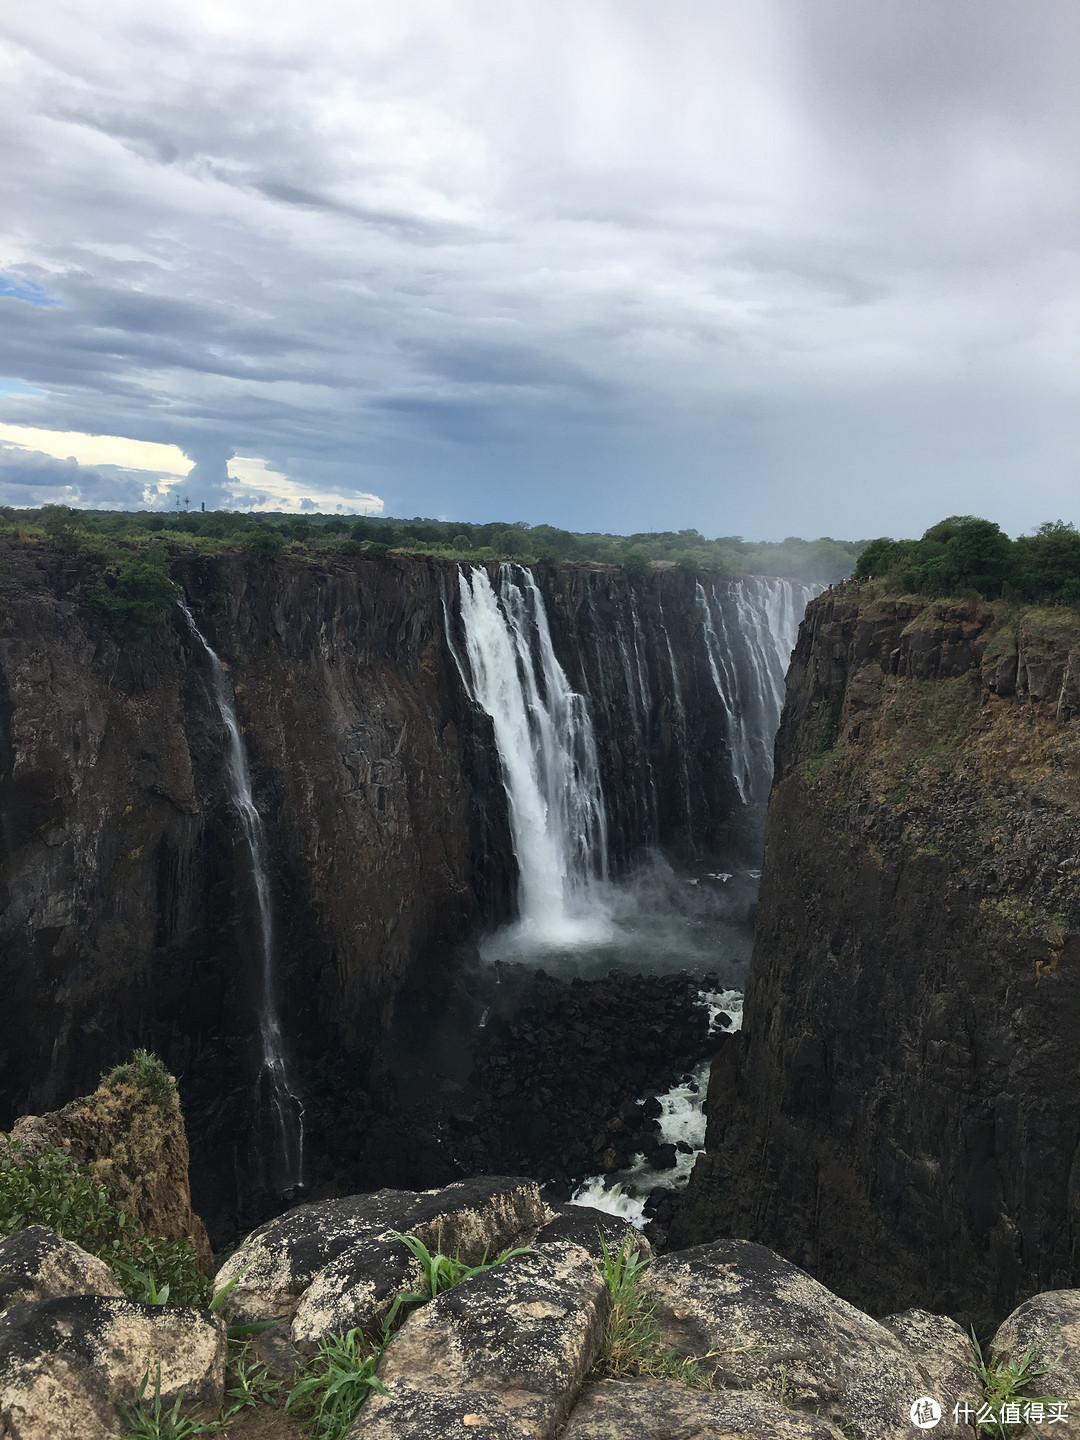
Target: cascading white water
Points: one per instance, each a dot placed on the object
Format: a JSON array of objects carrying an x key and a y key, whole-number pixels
[
  {"x": 547, "y": 750},
  {"x": 286, "y": 1110},
  {"x": 749, "y": 629}
]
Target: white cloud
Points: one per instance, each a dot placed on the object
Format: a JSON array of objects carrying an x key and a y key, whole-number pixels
[
  {"x": 257, "y": 487},
  {"x": 100, "y": 449}
]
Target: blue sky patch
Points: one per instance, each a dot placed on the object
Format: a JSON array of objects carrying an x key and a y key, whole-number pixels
[
  {"x": 18, "y": 387},
  {"x": 29, "y": 290}
]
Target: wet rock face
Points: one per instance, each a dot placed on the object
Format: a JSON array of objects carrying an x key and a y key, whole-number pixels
[
  {"x": 900, "y": 1113},
  {"x": 65, "y": 1364},
  {"x": 127, "y": 907},
  {"x": 127, "y": 911}
]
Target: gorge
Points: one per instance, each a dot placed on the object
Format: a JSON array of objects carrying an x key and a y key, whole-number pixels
[{"x": 267, "y": 842}]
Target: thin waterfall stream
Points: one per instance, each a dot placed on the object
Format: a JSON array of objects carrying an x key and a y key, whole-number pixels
[{"x": 276, "y": 1086}]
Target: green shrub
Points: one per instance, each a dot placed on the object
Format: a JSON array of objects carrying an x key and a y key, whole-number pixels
[
  {"x": 59, "y": 523},
  {"x": 140, "y": 596},
  {"x": 53, "y": 1190},
  {"x": 636, "y": 562},
  {"x": 151, "y": 1073},
  {"x": 267, "y": 544},
  {"x": 967, "y": 555}
]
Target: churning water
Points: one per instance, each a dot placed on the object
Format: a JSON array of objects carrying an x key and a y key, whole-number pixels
[{"x": 681, "y": 1123}]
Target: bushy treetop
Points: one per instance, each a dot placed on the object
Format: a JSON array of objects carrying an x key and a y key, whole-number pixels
[{"x": 967, "y": 555}]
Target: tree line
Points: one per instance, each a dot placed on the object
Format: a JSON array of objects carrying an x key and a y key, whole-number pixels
[
  {"x": 965, "y": 555},
  {"x": 823, "y": 560}
]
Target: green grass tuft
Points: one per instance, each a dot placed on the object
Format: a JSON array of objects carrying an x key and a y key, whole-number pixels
[
  {"x": 337, "y": 1382},
  {"x": 632, "y": 1343}
]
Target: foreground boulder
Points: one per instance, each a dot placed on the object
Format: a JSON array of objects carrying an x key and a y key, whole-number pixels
[
  {"x": 1047, "y": 1326},
  {"x": 504, "y": 1354},
  {"x": 66, "y": 1364},
  {"x": 763, "y": 1324},
  {"x": 335, "y": 1264},
  {"x": 35, "y": 1264},
  {"x": 668, "y": 1410}
]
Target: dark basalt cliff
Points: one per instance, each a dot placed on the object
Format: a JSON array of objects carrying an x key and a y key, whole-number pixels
[
  {"x": 900, "y": 1114},
  {"x": 126, "y": 901}
]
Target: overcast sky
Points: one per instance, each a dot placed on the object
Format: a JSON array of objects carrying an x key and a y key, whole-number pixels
[{"x": 769, "y": 268}]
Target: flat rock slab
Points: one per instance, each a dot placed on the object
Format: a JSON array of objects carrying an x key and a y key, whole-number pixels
[
  {"x": 501, "y": 1355},
  {"x": 766, "y": 1325},
  {"x": 36, "y": 1264},
  {"x": 669, "y": 1410},
  {"x": 343, "y": 1253},
  {"x": 64, "y": 1364},
  {"x": 1049, "y": 1325}
]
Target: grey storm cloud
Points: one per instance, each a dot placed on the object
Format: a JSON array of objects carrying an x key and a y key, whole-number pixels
[{"x": 763, "y": 268}]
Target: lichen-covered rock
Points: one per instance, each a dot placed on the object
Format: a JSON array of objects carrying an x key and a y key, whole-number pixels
[
  {"x": 503, "y": 1354},
  {"x": 767, "y": 1325},
  {"x": 66, "y": 1364},
  {"x": 943, "y": 1348},
  {"x": 335, "y": 1264},
  {"x": 133, "y": 1144},
  {"x": 669, "y": 1410},
  {"x": 1049, "y": 1326},
  {"x": 36, "y": 1264}
]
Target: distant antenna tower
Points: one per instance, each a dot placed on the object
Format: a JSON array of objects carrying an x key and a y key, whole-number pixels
[{"x": 187, "y": 502}]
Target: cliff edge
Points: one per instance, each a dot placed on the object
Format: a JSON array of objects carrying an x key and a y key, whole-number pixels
[{"x": 900, "y": 1112}]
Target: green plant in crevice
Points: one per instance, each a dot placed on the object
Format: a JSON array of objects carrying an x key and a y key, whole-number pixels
[
  {"x": 632, "y": 1344},
  {"x": 248, "y": 1383},
  {"x": 336, "y": 1383},
  {"x": 149, "y": 1419},
  {"x": 442, "y": 1272},
  {"x": 1001, "y": 1379}
]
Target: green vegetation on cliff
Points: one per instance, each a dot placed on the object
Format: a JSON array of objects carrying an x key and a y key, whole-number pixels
[
  {"x": 965, "y": 555},
  {"x": 109, "y": 535}
]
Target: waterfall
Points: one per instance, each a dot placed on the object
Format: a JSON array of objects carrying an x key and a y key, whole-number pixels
[
  {"x": 749, "y": 629},
  {"x": 547, "y": 752},
  {"x": 286, "y": 1111}
]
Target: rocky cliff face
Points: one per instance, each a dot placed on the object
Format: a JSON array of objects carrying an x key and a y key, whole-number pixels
[
  {"x": 127, "y": 908},
  {"x": 900, "y": 1112}
]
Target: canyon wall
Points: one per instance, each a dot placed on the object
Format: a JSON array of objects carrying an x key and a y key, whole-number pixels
[
  {"x": 900, "y": 1113},
  {"x": 127, "y": 908}
]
